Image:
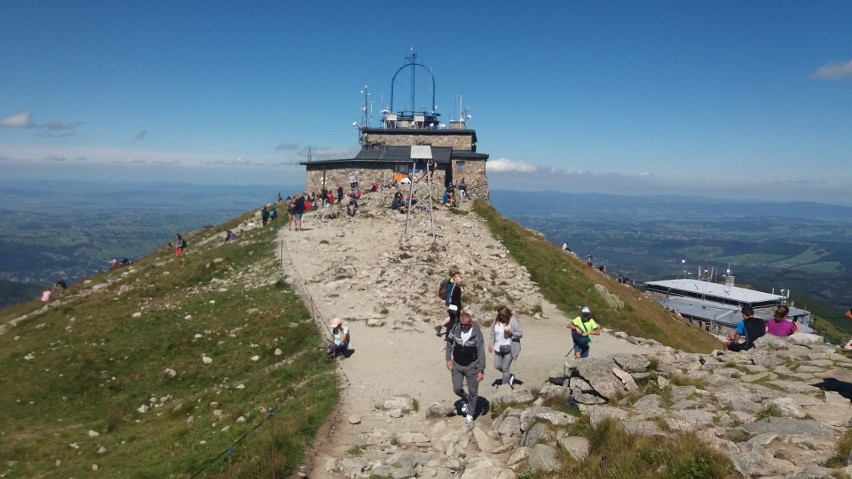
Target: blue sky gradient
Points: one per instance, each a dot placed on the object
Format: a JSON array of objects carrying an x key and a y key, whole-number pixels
[{"x": 724, "y": 99}]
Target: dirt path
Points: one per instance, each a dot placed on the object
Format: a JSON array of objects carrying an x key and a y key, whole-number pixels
[{"x": 404, "y": 356}]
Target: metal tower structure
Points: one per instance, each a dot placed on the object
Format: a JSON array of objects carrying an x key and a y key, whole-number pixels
[
  {"x": 420, "y": 189},
  {"x": 414, "y": 66}
]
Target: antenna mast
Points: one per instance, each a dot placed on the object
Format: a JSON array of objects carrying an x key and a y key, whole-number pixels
[{"x": 365, "y": 110}]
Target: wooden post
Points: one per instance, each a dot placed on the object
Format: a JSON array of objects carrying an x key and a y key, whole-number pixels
[{"x": 272, "y": 433}]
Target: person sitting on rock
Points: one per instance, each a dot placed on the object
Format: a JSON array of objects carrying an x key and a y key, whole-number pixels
[
  {"x": 339, "y": 339},
  {"x": 749, "y": 329},
  {"x": 398, "y": 202},
  {"x": 60, "y": 286},
  {"x": 779, "y": 325}
]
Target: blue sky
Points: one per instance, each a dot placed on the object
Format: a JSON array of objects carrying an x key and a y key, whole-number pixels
[{"x": 739, "y": 99}]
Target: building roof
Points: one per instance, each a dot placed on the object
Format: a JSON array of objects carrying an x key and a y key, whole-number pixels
[
  {"x": 387, "y": 154},
  {"x": 715, "y": 292},
  {"x": 727, "y": 314},
  {"x": 724, "y": 314}
]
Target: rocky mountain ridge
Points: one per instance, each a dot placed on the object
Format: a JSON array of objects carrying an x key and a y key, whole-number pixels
[{"x": 773, "y": 412}]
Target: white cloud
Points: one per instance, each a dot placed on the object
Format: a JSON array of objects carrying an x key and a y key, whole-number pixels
[
  {"x": 646, "y": 173},
  {"x": 327, "y": 153},
  {"x": 140, "y": 136},
  {"x": 505, "y": 165},
  {"x": 54, "y": 158},
  {"x": 287, "y": 146},
  {"x": 57, "y": 126},
  {"x": 25, "y": 120},
  {"x": 130, "y": 161},
  {"x": 804, "y": 181},
  {"x": 834, "y": 71},
  {"x": 21, "y": 120},
  {"x": 237, "y": 162}
]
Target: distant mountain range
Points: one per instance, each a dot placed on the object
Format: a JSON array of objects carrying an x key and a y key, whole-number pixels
[{"x": 658, "y": 207}]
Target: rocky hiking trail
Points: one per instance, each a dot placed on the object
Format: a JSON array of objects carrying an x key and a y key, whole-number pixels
[
  {"x": 396, "y": 414},
  {"x": 356, "y": 268}
]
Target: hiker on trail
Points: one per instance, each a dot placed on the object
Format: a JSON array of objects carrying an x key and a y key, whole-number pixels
[
  {"x": 339, "y": 339},
  {"x": 505, "y": 343},
  {"x": 750, "y": 328},
  {"x": 45, "y": 295},
  {"x": 180, "y": 244},
  {"x": 280, "y": 199},
  {"x": 590, "y": 260},
  {"x": 273, "y": 214},
  {"x": 299, "y": 210},
  {"x": 779, "y": 325},
  {"x": 229, "y": 235},
  {"x": 453, "y": 302},
  {"x": 582, "y": 327},
  {"x": 264, "y": 215},
  {"x": 291, "y": 212},
  {"x": 848, "y": 313},
  {"x": 339, "y": 194},
  {"x": 465, "y": 355}
]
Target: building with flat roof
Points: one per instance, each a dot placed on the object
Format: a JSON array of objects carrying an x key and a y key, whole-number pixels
[
  {"x": 394, "y": 150},
  {"x": 716, "y": 307}
]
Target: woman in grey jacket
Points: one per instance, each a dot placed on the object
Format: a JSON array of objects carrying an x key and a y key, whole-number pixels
[{"x": 506, "y": 334}]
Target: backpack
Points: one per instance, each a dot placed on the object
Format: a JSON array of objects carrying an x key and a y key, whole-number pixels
[
  {"x": 444, "y": 289},
  {"x": 183, "y": 243}
]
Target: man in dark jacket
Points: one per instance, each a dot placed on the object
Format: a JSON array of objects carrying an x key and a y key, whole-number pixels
[
  {"x": 750, "y": 328},
  {"x": 465, "y": 355},
  {"x": 299, "y": 210},
  {"x": 264, "y": 215}
]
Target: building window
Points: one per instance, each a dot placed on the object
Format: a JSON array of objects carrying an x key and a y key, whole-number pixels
[{"x": 460, "y": 168}]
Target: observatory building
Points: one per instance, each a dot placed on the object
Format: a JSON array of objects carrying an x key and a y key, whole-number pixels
[{"x": 407, "y": 140}]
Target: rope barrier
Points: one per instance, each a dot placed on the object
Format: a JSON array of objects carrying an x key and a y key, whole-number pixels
[
  {"x": 320, "y": 323},
  {"x": 229, "y": 452}
]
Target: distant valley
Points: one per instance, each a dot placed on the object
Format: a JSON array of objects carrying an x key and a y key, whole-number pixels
[
  {"x": 801, "y": 246},
  {"x": 73, "y": 229}
]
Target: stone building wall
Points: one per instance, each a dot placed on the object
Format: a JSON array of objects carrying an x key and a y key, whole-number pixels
[
  {"x": 474, "y": 177},
  {"x": 366, "y": 177},
  {"x": 457, "y": 142}
]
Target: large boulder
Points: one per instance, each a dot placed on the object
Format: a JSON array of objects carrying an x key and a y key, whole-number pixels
[{"x": 603, "y": 374}]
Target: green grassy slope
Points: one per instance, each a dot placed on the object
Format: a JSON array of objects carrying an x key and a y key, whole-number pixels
[
  {"x": 568, "y": 283},
  {"x": 75, "y": 376}
]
